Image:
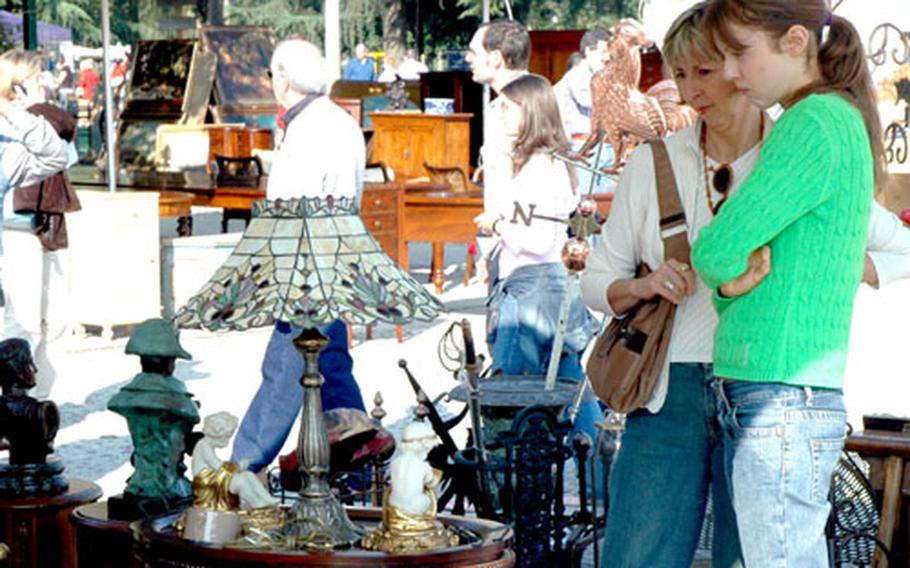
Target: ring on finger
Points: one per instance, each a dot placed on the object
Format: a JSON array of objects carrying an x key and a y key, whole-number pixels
[{"x": 670, "y": 286}]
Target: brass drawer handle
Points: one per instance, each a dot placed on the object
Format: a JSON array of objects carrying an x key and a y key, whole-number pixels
[
  {"x": 377, "y": 224},
  {"x": 377, "y": 202}
]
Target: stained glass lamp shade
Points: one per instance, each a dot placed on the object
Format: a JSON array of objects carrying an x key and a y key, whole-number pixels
[{"x": 307, "y": 262}]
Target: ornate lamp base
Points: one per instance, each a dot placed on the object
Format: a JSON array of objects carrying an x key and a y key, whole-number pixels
[
  {"x": 321, "y": 523},
  {"x": 320, "y": 520}
]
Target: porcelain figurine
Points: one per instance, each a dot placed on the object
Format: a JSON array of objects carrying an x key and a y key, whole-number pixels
[{"x": 409, "y": 515}]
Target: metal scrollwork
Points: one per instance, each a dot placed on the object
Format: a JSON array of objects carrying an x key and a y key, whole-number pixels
[
  {"x": 880, "y": 36},
  {"x": 896, "y": 145}
]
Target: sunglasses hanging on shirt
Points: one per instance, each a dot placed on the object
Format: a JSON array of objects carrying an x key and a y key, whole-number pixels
[{"x": 722, "y": 175}]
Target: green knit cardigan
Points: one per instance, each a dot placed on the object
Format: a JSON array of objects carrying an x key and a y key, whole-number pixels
[{"x": 809, "y": 198}]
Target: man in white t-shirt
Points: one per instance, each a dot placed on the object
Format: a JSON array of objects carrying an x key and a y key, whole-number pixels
[{"x": 498, "y": 53}]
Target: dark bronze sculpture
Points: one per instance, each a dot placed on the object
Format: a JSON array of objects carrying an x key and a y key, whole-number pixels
[
  {"x": 160, "y": 414},
  {"x": 29, "y": 425}
]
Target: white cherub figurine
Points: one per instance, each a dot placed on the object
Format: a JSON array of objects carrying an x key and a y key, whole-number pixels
[
  {"x": 412, "y": 479},
  {"x": 217, "y": 483}
]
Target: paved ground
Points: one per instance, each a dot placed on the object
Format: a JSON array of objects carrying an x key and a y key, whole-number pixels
[{"x": 224, "y": 373}]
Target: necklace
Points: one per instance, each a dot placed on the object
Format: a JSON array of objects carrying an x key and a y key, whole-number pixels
[{"x": 723, "y": 174}]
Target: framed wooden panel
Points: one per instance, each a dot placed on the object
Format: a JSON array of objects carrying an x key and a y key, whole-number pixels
[
  {"x": 243, "y": 54},
  {"x": 158, "y": 84}
]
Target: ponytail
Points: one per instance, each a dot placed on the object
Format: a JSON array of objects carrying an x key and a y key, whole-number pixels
[
  {"x": 842, "y": 62},
  {"x": 836, "y": 44}
]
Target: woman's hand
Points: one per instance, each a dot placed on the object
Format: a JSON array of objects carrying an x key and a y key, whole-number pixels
[
  {"x": 870, "y": 274},
  {"x": 672, "y": 280},
  {"x": 759, "y": 267},
  {"x": 485, "y": 222}
]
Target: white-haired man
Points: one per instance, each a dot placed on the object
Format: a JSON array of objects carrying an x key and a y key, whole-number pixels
[
  {"x": 323, "y": 151},
  {"x": 322, "y": 154}
]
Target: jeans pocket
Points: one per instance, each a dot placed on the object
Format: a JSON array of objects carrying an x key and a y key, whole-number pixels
[{"x": 825, "y": 453}]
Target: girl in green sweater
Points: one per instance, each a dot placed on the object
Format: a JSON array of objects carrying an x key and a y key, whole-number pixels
[{"x": 781, "y": 342}]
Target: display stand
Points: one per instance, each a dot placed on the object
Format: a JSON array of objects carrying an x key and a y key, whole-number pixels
[
  {"x": 488, "y": 546},
  {"x": 37, "y": 529},
  {"x": 102, "y": 542}
]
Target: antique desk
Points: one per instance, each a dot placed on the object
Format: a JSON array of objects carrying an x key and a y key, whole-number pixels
[
  {"x": 37, "y": 529},
  {"x": 405, "y": 140},
  {"x": 439, "y": 217}
]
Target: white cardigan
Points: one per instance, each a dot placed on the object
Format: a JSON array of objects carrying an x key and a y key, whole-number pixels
[
  {"x": 322, "y": 154},
  {"x": 631, "y": 235}
]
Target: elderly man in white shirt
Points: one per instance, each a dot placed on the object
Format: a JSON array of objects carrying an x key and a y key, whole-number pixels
[{"x": 322, "y": 154}]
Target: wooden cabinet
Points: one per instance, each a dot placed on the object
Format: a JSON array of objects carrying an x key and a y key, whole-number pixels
[
  {"x": 404, "y": 141},
  {"x": 379, "y": 209}
]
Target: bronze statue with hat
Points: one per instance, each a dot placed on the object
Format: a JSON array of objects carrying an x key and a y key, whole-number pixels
[{"x": 160, "y": 413}]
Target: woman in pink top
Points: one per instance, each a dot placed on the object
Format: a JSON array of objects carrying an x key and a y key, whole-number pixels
[{"x": 523, "y": 307}]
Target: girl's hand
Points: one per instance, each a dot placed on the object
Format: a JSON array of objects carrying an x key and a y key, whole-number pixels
[
  {"x": 485, "y": 222},
  {"x": 672, "y": 280},
  {"x": 759, "y": 267}
]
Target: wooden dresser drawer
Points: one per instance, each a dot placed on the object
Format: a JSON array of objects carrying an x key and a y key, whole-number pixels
[
  {"x": 378, "y": 222},
  {"x": 379, "y": 200}
]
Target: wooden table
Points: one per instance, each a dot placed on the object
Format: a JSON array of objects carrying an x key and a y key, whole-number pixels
[
  {"x": 236, "y": 201},
  {"x": 37, "y": 529},
  {"x": 439, "y": 217},
  {"x": 177, "y": 204},
  {"x": 888, "y": 454}
]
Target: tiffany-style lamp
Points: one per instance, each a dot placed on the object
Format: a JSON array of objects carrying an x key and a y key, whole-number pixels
[{"x": 309, "y": 262}]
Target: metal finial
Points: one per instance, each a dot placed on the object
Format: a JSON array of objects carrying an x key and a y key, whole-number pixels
[{"x": 378, "y": 413}]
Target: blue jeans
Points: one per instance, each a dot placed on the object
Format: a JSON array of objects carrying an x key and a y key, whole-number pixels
[
  {"x": 660, "y": 480},
  {"x": 271, "y": 414},
  {"x": 523, "y": 312},
  {"x": 781, "y": 445}
]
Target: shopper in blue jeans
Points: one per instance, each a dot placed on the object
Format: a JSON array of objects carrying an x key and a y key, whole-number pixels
[
  {"x": 523, "y": 313},
  {"x": 275, "y": 407}
]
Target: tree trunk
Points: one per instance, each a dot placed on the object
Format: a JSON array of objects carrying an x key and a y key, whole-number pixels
[{"x": 393, "y": 32}]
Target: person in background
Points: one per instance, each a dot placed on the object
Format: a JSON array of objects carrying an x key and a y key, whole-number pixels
[
  {"x": 573, "y": 92},
  {"x": 784, "y": 258},
  {"x": 306, "y": 165},
  {"x": 411, "y": 67},
  {"x": 30, "y": 150},
  {"x": 498, "y": 54},
  {"x": 389, "y": 69},
  {"x": 40, "y": 210},
  {"x": 360, "y": 67},
  {"x": 88, "y": 79},
  {"x": 523, "y": 308}
]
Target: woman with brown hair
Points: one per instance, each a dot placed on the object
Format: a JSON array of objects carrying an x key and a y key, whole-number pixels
[
  {"x": 523, "y": 307},
  {"x": 781, "y": 343}
]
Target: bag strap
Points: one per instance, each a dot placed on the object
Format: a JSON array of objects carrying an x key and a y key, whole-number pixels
[{"x": 673, "y": 230}]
